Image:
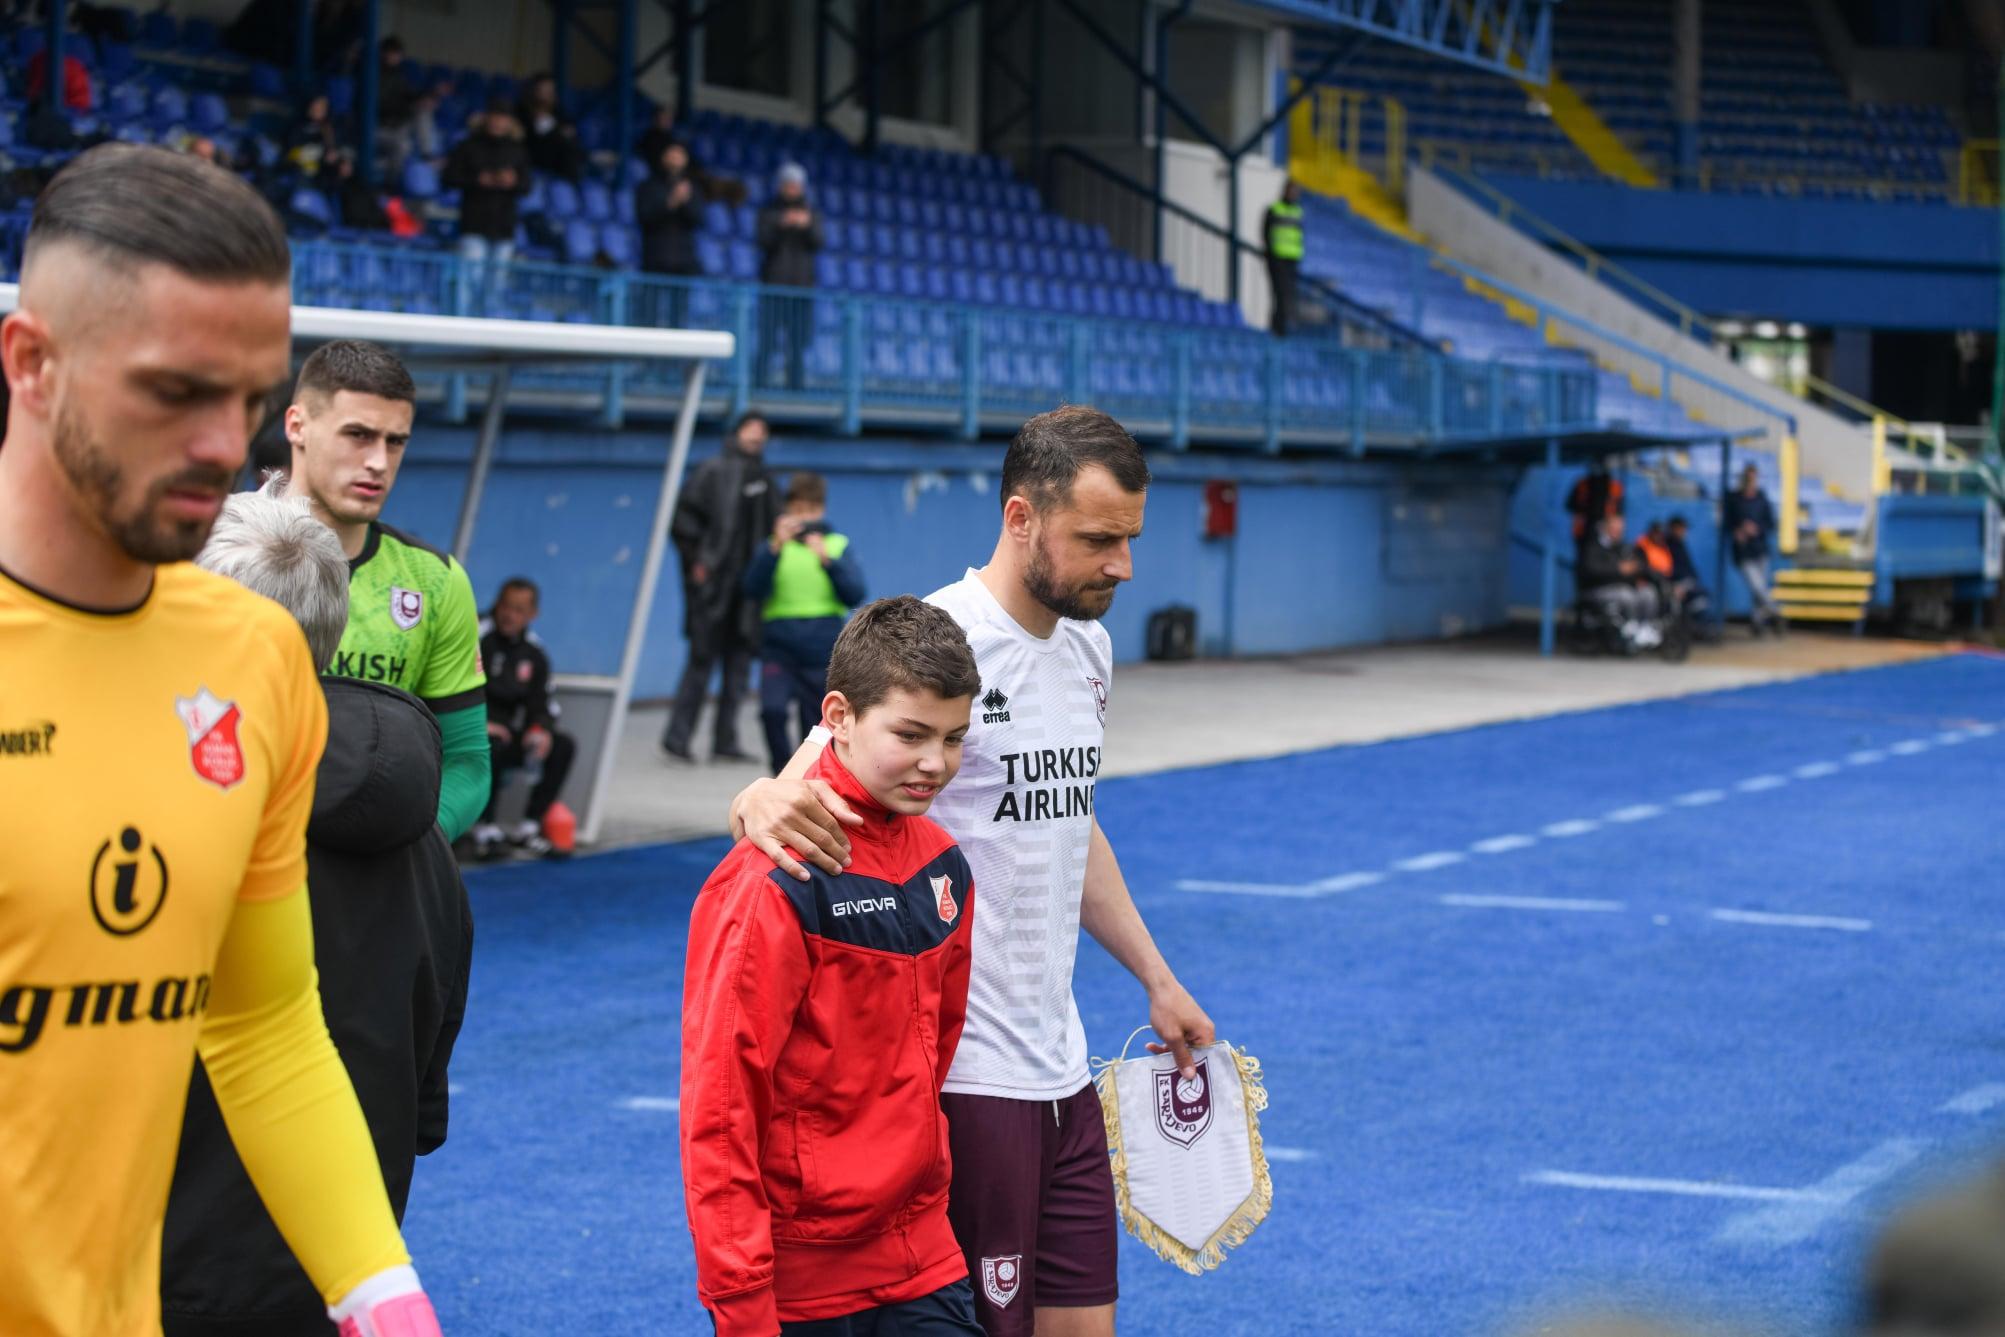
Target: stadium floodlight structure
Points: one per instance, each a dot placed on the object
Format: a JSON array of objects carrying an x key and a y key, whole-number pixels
[{"x": 469, "y": 345}]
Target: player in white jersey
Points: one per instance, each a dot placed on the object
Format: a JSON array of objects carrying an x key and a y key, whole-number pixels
[{"x": 1032, "y": 1201}]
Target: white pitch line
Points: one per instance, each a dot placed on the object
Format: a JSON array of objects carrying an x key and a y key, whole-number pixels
[
  {"x": 1951, "y": 737},
  {"x": 649, "y": 1104},
  {"x": 1504, "y": 844},
  {"x": 1787, "y": 1222},
  {"x": 1423, "y": 863},
  {"x": 1472, "y": 902},
  {"x": 1699, "y": 798},
  {"x": 1292, "y": 1154},
  {"x": 1981, "y": 730},
  {"x": 1755, "y": 784},
  {"x": 1347, "y": 882},
  {"x": 1816, "y": 770},
  {"x": 1865, "y": 757},
  {"x": 1684, "y": 1188},
  {"x": 1293, "y": 892},
  {"x": 1767, "y": 920},
  {"x": 1976, "y": 1100},
  {"x": 1908, "y": 747},
  {"x": 1636, "y": 812},
  {"x": 1575, "y": 826}
]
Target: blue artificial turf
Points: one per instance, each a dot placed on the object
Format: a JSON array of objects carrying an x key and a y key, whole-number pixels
[{"x": 1423, "y": 1058}]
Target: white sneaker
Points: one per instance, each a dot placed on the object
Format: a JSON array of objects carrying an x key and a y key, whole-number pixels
[
  {"x": 487, "y": 840},
  {"x": 524, "y": 832},
  {"x": 1648, "y": 637}
]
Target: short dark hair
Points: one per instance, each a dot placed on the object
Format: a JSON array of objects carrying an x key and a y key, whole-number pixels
[
  {"x": 1678, "y": 522},
  {"x": 810, "y": 489},
  {"x": 750, "y": 416},
  {"x": 901, "y": 643},
  {"x": 1048, "y": 452},
  {"x": 357, "y": 365},
  {"x": 519, "y": 583},
  {"x": 135, "y": 204}
]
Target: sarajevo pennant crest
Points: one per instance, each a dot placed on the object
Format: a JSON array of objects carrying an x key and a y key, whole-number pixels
[
  {"x": 1001, "y": 1277},
  {"x": 1190, "y": 1174},
  {"x": 213, "y": 748}
]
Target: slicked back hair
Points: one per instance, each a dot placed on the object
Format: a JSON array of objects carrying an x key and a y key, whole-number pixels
[
  {"x": 1047, "y": 453},
  {"x": 901, "y": 643},
  {"x": 134, "y": 204},
  {"x": 272, "y": 544},
  {"x": 356, "y": 365}
]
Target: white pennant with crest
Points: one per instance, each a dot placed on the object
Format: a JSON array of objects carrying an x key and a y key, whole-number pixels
[{"x": 1189, "y": 1171}]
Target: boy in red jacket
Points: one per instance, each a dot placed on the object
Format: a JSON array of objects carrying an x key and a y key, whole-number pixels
[{"x": 819, "y": 1019}]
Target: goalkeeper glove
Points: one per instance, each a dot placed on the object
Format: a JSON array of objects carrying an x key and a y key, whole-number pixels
[{"x": 389, "y": 1304}]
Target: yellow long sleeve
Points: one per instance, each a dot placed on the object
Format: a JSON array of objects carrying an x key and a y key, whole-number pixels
[{"x": 288, "y": 1103}]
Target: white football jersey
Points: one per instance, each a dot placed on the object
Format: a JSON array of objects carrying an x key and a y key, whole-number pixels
[{"x": 1022, "y": 811}]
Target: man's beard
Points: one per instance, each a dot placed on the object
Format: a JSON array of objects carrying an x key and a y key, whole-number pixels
[
  {"x": 1087, "y": 603},
  {"x": 138, "y": 530}
]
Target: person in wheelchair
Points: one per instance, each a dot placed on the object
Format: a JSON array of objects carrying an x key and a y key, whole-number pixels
[{"x": 1616, "y": 584}]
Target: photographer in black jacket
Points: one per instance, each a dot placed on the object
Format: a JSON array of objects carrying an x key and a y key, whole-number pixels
[{"x": 392, "y": 940}]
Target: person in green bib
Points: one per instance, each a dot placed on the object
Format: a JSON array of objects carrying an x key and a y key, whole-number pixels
[
  {"x": 412, "y": 620},
  {"x": 809, "y": 580},
  {"x": 1284, "y": 254}
]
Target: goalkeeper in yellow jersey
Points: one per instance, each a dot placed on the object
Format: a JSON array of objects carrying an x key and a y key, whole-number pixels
[{"x": 159, "y": 732}]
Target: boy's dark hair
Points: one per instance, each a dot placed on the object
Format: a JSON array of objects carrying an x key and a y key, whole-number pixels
[
  {"x": 134, "y": 204},
  {"x": 356, "y": 365},
  {"x": 1048, "y": 452},
  {"x": 809, "y": 489},
  {"x": 519, "y": 583},
  {"x": 752, "y": 416},
  {"x": 901, "y": 642}
]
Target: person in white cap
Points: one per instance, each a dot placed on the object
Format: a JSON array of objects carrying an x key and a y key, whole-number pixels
[{"x": 790, "y": 235}]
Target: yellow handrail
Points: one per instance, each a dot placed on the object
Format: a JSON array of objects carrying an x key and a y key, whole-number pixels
[
  {"x": 1973, "y": 184},
  {"x": 1792, "y": 494},
  {"x": 1916, "y": 442},
  {"x": 1592, "y": 260},
  {"x": 1335, "y": 120}
]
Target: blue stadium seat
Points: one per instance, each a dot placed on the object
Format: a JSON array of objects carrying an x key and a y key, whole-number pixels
[
  {"x": 828, "y": 271},
  {"x": 710, "y": 255},
  {"x": 561, "y": 201},
  {"x": 170, "y": 106},
  {"x": 597, "y": 201},
  {"x": 744, "y": 261},
  {"x": 158, "y": 29},
  {"x": 717, "y": 218},
  {"x": 126, "y": 102},
  {"x": 311, "y": 204},
  {"x": 621, "y": 243},
  {"x": 421, "y": 179},
  {"x": 581, "y": 242}
]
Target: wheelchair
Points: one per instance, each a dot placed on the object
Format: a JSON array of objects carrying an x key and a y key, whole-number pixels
[{"x": 1594, "y": 630}]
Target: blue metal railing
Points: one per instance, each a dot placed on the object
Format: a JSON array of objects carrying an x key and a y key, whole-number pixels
[{"x": 845, "y": 359}]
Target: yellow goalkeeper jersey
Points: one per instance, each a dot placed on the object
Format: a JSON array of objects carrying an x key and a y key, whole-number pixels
[{"x": 156, "y": 767}]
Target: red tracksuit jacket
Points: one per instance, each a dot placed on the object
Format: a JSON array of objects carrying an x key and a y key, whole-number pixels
[{"x": 818, "y": 1021}]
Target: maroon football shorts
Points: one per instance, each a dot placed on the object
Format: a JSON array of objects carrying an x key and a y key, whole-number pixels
[{"x": 1032, "y": 1204}]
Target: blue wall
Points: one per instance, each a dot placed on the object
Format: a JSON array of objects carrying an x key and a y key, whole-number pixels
[
  {"x": 1329, "y": 553},
  {"x": 1823, "y": 262}
]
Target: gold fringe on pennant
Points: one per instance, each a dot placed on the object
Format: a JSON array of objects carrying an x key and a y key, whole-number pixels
[{"x": 1247, "y": 1215}]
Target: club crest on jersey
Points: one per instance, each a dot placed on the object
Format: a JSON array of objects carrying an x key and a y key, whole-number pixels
[
  {"x": 1099, "y": 697},
  {"x": 943, "y": 889},
  {"x": 212, "y": 737},
  {"x": 1183, "y": 1105},
  {"x": 1001, "y": 1278},
  {"x": 406, "y": 606}
]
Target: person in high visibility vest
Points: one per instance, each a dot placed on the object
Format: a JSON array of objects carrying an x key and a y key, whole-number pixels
[
  {"x": 1283, "y": 235},
  {"x": 806, "y": 579}
]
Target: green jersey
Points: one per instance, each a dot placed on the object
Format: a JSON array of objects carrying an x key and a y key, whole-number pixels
[{"x": 412, "y": 623}]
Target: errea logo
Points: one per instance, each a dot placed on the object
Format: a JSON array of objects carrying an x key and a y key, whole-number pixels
[{"x": 995, "y": 707}]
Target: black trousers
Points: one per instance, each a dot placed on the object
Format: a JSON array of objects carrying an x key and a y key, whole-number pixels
[
  {"x": 786, "y": 326},
  {"x": 510, "y": 754},
  {"x": 1281, "y": 274},
  {"x": 793, "y": 679},
  {"x": 725, "y": 648}
]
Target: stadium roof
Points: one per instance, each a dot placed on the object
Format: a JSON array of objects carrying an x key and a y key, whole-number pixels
[{"x": 1508, "y": 37}]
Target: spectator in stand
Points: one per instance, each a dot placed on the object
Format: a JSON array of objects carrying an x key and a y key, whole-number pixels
[
  {"x": 553, "y": 139},
  {"x": 1610, "y": 574},
  {"x": 404, "y": 124},
  {"x": 726, "y": 510},
  {"x": 1749, "y": 519},
  {"x": 313, "y": 139},
  {"x": 1654, "y": 551},
  {"x": 654, "y": 140},
  {"x": 1686, "y": 587},
  {"x": 666, "y": 208},
  {"x": 491, "y": 172},
  {"x": 1283, "y": 232},
  {"x": 78, "y": 96},
  {"x": 805, "y": 580},
  {"x": 521, "y": 720},
  {"x": 790, "y": 235},
  {"x": 356, "y": 203}
]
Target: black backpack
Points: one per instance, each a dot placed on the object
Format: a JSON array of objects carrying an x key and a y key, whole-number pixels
[{"x": 1173, "y": 632}]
